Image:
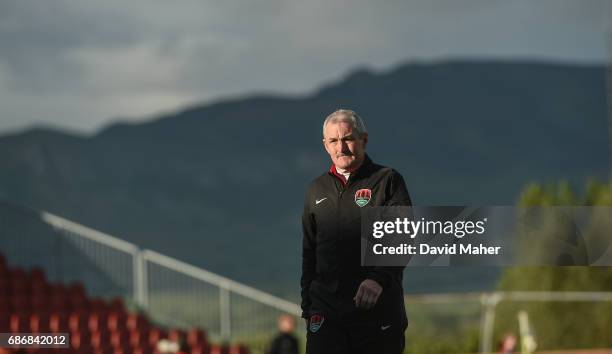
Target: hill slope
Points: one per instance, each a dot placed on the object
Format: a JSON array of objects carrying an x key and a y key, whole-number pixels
[{"x": 221, "y": 185}]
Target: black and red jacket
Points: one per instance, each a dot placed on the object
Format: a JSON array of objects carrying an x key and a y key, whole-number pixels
[{"x": 331, "y": 254}]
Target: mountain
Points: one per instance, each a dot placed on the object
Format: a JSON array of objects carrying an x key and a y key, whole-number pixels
[{"x": 221, "y": 185}]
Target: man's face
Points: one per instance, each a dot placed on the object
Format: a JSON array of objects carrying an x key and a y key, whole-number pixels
[
  {"x": 345, "y": 147},
  {"x": 286, "y": 324}
]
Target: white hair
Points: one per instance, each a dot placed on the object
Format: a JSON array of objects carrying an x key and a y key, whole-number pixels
[{"x": 346, "y": 115}]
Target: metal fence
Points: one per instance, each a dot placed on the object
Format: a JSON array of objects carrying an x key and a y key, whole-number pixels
[
  {"x": 172, "y": 293},
  {"x": 177, "y": 291}
]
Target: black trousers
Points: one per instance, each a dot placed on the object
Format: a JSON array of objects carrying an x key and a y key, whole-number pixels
[{"x": 332, "y": 336}]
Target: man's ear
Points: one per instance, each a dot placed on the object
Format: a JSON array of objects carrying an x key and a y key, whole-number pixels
[
  {"x": 365, "y": 139},
  {"x": 325, "y": 146}
]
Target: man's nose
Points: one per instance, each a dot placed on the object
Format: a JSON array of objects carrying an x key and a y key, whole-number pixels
[{"x": 344, "y": 146}]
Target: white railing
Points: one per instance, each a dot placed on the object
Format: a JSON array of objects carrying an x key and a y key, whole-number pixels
[
  {"x": 241, "y": 311},
  {"x": 72, "y": 230}
]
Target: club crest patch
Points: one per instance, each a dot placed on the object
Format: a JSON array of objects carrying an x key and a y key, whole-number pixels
[
  {"x": 363, "y": 196},
  {"x": 315, "y": 323}
]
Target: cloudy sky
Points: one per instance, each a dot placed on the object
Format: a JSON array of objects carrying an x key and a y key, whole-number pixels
[{"x": 80, "y": 64}]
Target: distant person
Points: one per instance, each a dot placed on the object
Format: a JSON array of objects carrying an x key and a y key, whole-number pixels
[
  {"x": 349, "y": 308},
  {"x": 508, "y": 344},
  {"x": 285, "y": 342}
]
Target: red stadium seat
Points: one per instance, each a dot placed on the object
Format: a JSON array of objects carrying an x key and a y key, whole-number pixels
[
  {"x": 126, "y": 350},
  {"x": 20, "y": 283},
  {"x": 97, "y": 321},
  {"x": 5, "y": 286},
  {"x": 137, "y": 321},
  {"x": 58, "y": 291},
  {"x": 218, "y": 349},
  {"x": 78, "y": 303},
  {"x": 37, "y": 275},
  {"x": 177, "y": 335},
  {"x": 80, "y": 340},
  {"x": 76, "y": 289},
  {"x": 77, "y": 321},
  {"x": 5, "y": 304},
  {"x": 98, "y": 305},
  {"x": 100, "y": 339},
  {"x": 58, "y": 322},
  {"x": 116, "y": 321},
  {"x": 155, "y": 335},
  {"x": 84, "y": 350},
  {"x": 107, "y": 349},
  {"x": 5, "y": 322},
  {"x": 54, "y": 351},
  {"x": 39, "y": 322},
  {"x": 20, "y": 322},
  {"x": 20, "y": 302},
  {"x": 138, "y": 337},
  {"x": 39, "y": 302},
  {"x": 58, "y": 298},
  {"x": 40, "y": 288},
  {"x": 199, "y": 349},
  {"x": 119, "y": 339},
  {"x": 143, "y": 350},
  {"x": 117, "y": 305},
  {"x": 58, "y": 304},
  {"x": 196, "y": 336}
]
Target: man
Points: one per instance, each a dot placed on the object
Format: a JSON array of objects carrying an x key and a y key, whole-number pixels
[
  {"x": 285, "y": 342},
  {"x": 349, "y": 308}
]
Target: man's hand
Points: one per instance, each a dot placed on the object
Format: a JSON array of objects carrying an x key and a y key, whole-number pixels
[{"x": 367, "y": 294}]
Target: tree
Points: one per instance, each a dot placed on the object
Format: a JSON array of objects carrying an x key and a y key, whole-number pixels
[{"x": 562, "y": 324}]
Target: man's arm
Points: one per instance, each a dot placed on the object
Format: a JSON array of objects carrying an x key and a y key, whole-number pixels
[
  {"x": 378, "y": 278},
  {"x": 309, "y": 264},
  {"x": 397, "y": 195}
]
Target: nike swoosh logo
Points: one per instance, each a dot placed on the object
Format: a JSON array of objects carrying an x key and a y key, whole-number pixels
[
  {"x": 319, "y": 200},
  {"x": 384, "y": 327}
]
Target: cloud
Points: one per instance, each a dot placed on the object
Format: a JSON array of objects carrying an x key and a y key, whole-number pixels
[{"x": 79, "y": 64}]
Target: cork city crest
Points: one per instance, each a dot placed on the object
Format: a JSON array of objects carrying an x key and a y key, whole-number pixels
[
  {"x": 363, "y": 196},
  {"x": 316, "y": 321}
]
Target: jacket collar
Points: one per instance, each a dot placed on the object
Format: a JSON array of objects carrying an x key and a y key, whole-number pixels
[{"x": 364, "y": 166}]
